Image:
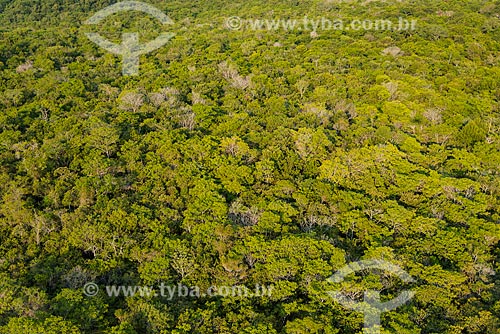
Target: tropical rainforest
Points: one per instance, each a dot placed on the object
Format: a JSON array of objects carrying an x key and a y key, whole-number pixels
[{"x": 250, "y": 156}]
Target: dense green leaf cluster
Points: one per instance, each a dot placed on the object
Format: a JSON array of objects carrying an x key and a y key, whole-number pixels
[{"x": 250, "y": 157}]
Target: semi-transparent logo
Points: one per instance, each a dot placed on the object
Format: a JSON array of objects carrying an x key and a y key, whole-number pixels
[
  {"x": 371, "y": 306},
  {"x": 130, "y": 49}
]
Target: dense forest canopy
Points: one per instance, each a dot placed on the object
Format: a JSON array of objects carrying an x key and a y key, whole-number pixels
[{"x": 245, "y": 157}]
